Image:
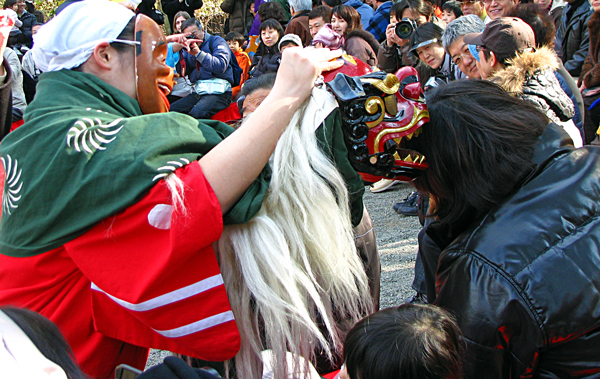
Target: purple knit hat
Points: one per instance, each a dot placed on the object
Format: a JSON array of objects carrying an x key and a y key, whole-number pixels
[{"x": 328, "y": 38}]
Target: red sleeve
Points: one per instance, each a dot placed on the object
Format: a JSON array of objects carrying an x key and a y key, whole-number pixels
[{"x": 155, "y": 277}]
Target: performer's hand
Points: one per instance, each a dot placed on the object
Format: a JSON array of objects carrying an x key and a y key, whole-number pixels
[{"x": 300, "y": 68}]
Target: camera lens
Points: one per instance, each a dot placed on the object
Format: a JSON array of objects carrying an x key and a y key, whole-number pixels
[{"x": 404, "y": 29}]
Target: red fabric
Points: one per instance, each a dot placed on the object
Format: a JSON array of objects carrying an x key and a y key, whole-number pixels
[
  {"x": 16, "y": 124},
  {"x": 136, "y": 262},
  {"x": 331, "y": 375},
  {"x": 229, "y": 115}
]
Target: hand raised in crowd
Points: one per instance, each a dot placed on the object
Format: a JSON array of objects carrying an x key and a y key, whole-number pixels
[
  {"x": 391, "y": 37},
  {"x": 300, "y": 68}
]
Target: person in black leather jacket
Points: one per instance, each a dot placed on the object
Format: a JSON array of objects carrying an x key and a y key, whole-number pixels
[
  {"x": 572, "y": 38},
  {"x": 517, "y": 209}
]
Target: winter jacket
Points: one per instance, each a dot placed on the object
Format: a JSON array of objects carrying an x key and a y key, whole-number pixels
[
  {"x": 523, "y": 281},
  {"x": 28, "y": 21},
  {"x": 364, "y": 10},
  {"x": 530, "y": 76},
  {"x": 391, "y": 58},
  {"x": 379, "y": 21},
  {"x": 266, "y": 62},
  {"x": 171, "y": 7},
  {"x": 239, "y": 14},
  {"x": 572, "y": 38},
  {"x": 362, "y": 45},
  {"x": 298, "y": 25},
  {"x": 590, "y": 72},
  {"x": 213, "y": 60}
]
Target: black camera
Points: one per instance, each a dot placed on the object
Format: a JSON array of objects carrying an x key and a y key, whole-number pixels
[{"x": 405, "y": 28}]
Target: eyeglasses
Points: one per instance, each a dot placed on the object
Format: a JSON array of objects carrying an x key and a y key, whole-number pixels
[
  {"x": 465, "y": 53},
  {"x": 466, "y": 2}
]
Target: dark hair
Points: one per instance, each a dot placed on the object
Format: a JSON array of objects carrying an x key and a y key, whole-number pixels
[
  {"x": 269, "y": 24},
  {"x": 411, "y": 341},
  {"x": 47, "y": 338},
  {"x": 321, "y": 11},
  {"x": 191, "y": 22},
  {"x": 350, "y": 15},
  {"x": 332, "y": 3},
  {"x": 127, "y": 35},
  {"x": 540, "y": 21},
  {"x": 235, "y": 36},
  {"x": 426, "y": 32},
  {"x": 272, "y": 10},
  {"x": 265, "y": 81},
  {"x": 479, "y": 145},
  {"x": 9, "y": 3},
  {"x": 416, "y": 6},
  {"x": 454, "y": 7}
]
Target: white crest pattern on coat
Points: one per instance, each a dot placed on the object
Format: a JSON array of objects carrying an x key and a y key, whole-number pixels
[
  {"x": 82, "y": 138},
  {"x": 12, "y": 185},
  {"x": 169, "y": 168}
]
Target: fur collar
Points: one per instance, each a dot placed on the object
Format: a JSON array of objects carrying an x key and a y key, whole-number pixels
[
  {"x": 524, "y": 66},
  {"x": 366, "y": 36}
]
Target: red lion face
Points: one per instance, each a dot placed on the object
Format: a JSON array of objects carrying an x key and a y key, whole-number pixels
[{"x": 380, "y": 113}]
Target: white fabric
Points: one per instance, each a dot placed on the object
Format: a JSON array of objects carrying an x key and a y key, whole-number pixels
[
  {"x": 69, "y": 39},
  {"x": 306, "y": 372},
  {"x": 573, "y": 132},
  {"x": 19, "y": 358}
]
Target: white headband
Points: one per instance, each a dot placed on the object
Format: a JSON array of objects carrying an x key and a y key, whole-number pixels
[
  {"x": 20, "y": 358},
  {"x": 69, "y": 39}
]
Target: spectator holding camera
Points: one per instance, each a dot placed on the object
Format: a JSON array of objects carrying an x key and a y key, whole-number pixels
[{"x": 394, "y": 51}]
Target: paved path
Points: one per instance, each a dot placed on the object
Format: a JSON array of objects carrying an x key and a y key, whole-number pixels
[{"x": 397, "y": 243}]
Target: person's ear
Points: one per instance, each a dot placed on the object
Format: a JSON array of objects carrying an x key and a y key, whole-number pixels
[
  {"x": 493, "y": 59},
  {"x": 104, "y": 55}
]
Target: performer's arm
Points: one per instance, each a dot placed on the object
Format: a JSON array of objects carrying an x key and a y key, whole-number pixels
[{"x": 232, "y": 165}]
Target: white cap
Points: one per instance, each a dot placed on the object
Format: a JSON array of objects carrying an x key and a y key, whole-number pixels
[{"x": 69, "y": 39}]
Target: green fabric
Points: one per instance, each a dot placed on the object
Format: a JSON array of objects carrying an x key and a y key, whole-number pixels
[
  {"x": 331, "y": 140},
  {"x": 64, "y": 192}
]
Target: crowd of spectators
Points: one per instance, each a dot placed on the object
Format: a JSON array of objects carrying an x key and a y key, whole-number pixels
[{"x": 513, "y": 92}]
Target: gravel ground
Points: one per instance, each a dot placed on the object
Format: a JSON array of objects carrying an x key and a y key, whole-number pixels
[{"x": 397, "y": 243}]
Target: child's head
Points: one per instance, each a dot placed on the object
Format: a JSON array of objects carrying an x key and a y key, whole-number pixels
[
  {"x": 235, "y": 41},
  {"x": 318, "y": 17},
  {"x": 451, "y": 11},
  {"x": 289, "y": 40},
  {"x": 411, "y": 341},
  {"x": 270, "y": 32}
]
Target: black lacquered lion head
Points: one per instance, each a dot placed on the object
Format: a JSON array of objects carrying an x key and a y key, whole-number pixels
[{"x": 380, "y": 112}]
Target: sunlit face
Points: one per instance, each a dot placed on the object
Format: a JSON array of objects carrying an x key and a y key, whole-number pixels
[
  {"x": 234, "y": 45},
  {"x": 154, "y": 77},
  {"x": 253, "y": 100},
  {"x": 471, "y": 7},
  {"x": 415, "y": 16},
  {"x": 448, "y": 16},
  {"x": 432, "y": 55},
  {"x": 499, "y": 8},
  {"x": 21, "y": 6},
  {"x": 315, "y": 25},
  {"x": 269, "y": 36},
  {"x": 485, "y": 66},
  {"x": 178, "y": 22},
  {"x": 595, "y": 5},
  {"x": 35, "y": 28},
  {"x": 339, "y": 25},
  {"x": 459, "y": 51}
]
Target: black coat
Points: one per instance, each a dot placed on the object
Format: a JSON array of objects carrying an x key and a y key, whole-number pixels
[
  {"x": 572, "y": 38},
  {"x": 524, "y": 282}
]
